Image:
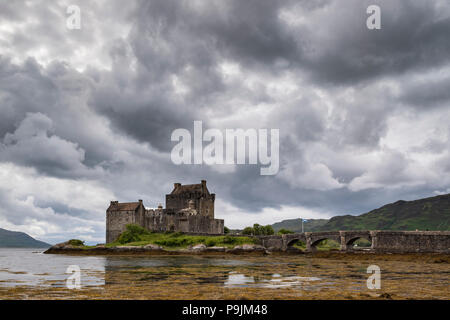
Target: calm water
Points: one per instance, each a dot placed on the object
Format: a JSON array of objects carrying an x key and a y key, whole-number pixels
[
  {"x": 30, "y": 267},
  {"x": 30, "y": 274}
]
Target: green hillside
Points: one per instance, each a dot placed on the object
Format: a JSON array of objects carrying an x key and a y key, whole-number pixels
[
  {"x": 423, "y": 214},
  {"x": 13, "y": 239},
  {"x": 295, "y": 225}
]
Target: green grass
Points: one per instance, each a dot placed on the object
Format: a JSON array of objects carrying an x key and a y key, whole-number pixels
[
  {"x": 178, "y": 240},
  {"x": 363, "y": 243},
  {"x": 300, "y": 245},
  {"x": 327, "y": 244}
]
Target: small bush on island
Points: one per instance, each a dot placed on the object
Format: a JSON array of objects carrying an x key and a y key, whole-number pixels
[
  {"x": 75, "y": 242},
  {"x": 210, "y": 242},
  {"x": 132, "y": 233},
  {"x": 229, "y": 240}
]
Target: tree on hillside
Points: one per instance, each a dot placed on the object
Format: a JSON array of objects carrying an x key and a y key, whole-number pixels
[
  {"x": 258, "y": 230},
  {"x": 284, "y": 231}
]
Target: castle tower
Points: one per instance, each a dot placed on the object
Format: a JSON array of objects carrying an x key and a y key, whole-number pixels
[
  {"x": 181, "y": 196},
  {"x": 119, "y": 214}
]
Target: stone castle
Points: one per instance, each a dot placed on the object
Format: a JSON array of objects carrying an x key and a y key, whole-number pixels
[{"x": 189, "y": 209}]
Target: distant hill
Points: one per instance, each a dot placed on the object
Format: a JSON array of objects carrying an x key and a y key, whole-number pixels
[
  {"x": 296, "y": 225},
  {"x": 424, "y": 214},
  {"x": 14, "y": 239}
]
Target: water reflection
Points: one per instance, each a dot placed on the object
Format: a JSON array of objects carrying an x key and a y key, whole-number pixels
[
  {"x": 276, "y": 281},
  {"x": 30, "y": 267},
  {"x": 213, "y": 277},
  {"x": 147, "y": 269},
  {"x": 124, "y": 262},
  {"x": 238, "y": 280}
]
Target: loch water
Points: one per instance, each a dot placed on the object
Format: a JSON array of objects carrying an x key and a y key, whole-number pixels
[{"x": 29, "y": 273}]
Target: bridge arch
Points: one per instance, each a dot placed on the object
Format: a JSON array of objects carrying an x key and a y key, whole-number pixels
[
  {"x": 291, "y": 240},
  {"x": 319, "y": 242},
  {"x": 316, "y": 238},
  {"x": 351, "y": 237},
  {"x": 352, "y": 243},
  {"x": 296, "y": 244}
]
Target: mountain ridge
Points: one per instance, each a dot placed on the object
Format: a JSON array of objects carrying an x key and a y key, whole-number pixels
[
  {"x": 431, "y": 213},
  {"x": 17, "y": 239}
]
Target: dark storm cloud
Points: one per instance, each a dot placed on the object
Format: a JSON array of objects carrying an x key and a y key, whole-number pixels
[
  {"x": 426, "y": 93},
  {"x": 413, "y": 36},
  {"x": 97, "y": 107},
  {"x": 334, "y": 43},
  {"x": 247, "y": 30},
  {"x": 34, "y": 145},
  {"x": 174, "y": 38},
  {"x": 40, "y": 126},
  {"x": 149, "y": 116},
  {"x": 170, "y": 38},
  {"x": 24, "y": 89}
]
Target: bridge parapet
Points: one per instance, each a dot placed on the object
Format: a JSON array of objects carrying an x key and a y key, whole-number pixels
[
  {"x": 411, "y": 241},
  {"x": 382, "y": 241},
  {"x": 274, "y": 242}
]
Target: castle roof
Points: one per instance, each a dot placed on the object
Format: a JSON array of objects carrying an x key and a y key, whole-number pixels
[
  {"x": 190, "y": 188},
  {"x": 123, "y": 206},
  {"x": 187, "y": 188}
]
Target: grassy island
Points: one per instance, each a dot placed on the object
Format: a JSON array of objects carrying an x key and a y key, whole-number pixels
[
  {"x": 177, "y": 240},
  {"x": 137, "y": 236}
]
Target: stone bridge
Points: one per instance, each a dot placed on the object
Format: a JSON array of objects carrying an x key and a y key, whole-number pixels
[{"x": 381, "y": 241}]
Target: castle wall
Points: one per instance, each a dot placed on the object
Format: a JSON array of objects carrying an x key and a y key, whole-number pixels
[
  {"x": 204, "y": 204},
  {"x": 168, "y": 220},
  {"x": 160, "y": 221},
  {"x": 207, "y": 207},
  {"x": 180, "y": 201},
  {"x": 116, "y": 222}
]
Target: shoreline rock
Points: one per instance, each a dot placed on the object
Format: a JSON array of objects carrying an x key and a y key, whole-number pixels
[{"x": 248, "y": 249}]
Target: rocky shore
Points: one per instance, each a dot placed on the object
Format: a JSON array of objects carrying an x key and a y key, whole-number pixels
[{"x": 152, "y": 249}]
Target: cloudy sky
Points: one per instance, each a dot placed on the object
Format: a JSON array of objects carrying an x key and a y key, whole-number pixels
[{"x": 87, "y": 115}]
